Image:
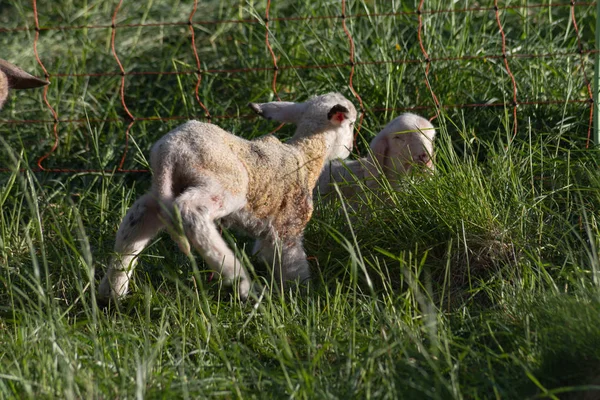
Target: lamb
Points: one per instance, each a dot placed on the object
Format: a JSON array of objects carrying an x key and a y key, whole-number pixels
[
  {"x": 13, "y": 77},
  {"x": 406, "y": 142},
  {"x": 202, "y": 174}
]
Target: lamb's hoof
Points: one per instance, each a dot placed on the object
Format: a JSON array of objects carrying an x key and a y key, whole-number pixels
[
  {"x": 108, "y": 300},
  {"x": 107, "y": 304},
  {"x": 113, "y": 287},
  {"x": 103, "y": 303},
  {"x": 250, "y": 290},
  {"x": 244, "y": 286}
]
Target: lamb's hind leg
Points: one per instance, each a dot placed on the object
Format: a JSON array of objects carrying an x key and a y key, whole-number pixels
[
  {"x": 141, "y": 223},
  {"x": 199, "y": 207}
]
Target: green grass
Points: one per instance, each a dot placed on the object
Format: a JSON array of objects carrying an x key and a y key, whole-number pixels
[{"x": 481, "y": 282}]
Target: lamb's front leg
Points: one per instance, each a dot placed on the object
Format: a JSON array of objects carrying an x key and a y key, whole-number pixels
[
  {"x": 199, "y": 207},
  {"x": 141, "y": 223},
  {"x": 295, "y": 266},
  {"x": 287, "y": 258}
]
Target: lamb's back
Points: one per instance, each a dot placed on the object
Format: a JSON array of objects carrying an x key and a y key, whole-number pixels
[{"x": 197, "y": 150}]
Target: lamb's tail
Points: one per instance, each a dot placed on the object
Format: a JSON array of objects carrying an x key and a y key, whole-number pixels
[{"x": 162, "y": 188}]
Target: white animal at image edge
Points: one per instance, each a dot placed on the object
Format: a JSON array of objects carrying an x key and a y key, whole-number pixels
[
  {"x": 13, "y": 77},
  {"x": 262, "y": 186}
]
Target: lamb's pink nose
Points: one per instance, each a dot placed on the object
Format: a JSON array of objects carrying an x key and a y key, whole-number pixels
[{"x": 424, "y": 159}]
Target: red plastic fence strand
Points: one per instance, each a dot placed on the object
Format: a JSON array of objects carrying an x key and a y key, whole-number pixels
[
  {"x": 427, "y": 60},
  {"x": 268, "y": 44},
  {"x": 350, "y": 79},
  {"x": 308, "y": 18},
  {"x": 122, "y": 89},
  {"x": 114, "y": 52},
  {"x": 328, "y": 66},
  {"x": 198, "y": 65},
  {"x": 54, "y": 113},
  {"x": 250, "y": 116},
  {"x": 585, "y": 77},
  {"x": 478, "y": 105},
  {"x": 274, "y": 59},
  {"x": 79, "y": 171},
  {"x": 508, "y": 71},
  {"x": 471, "y": 9}
]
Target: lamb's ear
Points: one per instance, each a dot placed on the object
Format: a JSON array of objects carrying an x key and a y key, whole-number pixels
[
  {"x": 282, "y": 111},
  {"x": 338, "y": 114},
  {"x": 380, "y": 146},
  {"x": 19, "y": 79}
]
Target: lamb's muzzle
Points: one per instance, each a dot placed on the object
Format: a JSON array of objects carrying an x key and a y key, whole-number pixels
[{"x": 262, "y": 186}]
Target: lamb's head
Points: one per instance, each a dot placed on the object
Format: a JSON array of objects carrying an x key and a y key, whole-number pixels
[
  {"x": 404, "y": 143},
  {"x": 331, "y": 113},
  {"x": 13, "y": 77}
]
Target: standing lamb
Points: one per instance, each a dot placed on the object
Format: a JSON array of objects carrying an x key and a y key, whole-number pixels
[
  {"x": 13, "y": 77},
  {"x": 262, "y": 186},
  {"x": 406, "y": 142}
]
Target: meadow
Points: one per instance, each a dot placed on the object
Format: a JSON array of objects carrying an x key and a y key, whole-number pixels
[{"x": 479, "y": 282}]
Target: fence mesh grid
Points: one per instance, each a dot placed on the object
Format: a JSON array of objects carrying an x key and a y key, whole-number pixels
[{"x": 192, "y": 73}]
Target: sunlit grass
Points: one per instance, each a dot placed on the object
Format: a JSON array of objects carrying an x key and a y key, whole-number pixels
[{"x": 480, "y": 281}]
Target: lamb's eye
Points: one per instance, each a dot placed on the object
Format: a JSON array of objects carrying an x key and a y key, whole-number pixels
[{"x": 351, "y": 123}]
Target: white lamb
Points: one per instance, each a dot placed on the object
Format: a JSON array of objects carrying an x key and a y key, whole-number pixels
[
  {"x": 406, "y": 142},
  {"x": 13, "y": 77},
  {"x": 262, "y": 186}
]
